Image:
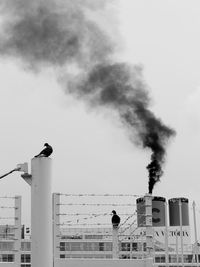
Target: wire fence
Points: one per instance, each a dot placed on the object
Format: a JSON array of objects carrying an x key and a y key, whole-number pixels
[{"x": 94, "y": 210}]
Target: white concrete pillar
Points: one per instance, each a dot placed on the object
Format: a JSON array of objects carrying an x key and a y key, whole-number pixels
[
  {"x": 56, "y": 227},
  {"x": 166, "y": 237},
  {"x": 181, "y": 231},
  {"x": 149, "y": 228},
  {"x": 195, "y": 233},
  {"x": 41, "y": 213},
  {"x": 115, "y": 243},
  {"x": 17, "y": 245}
]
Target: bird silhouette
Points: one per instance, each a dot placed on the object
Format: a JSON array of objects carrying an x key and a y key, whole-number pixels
[
  {"x": 115, "y": 219},
  {"x": 46, "y": 152}
]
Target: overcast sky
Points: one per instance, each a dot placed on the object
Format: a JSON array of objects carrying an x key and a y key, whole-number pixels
[{"x": 92, "y": 152}]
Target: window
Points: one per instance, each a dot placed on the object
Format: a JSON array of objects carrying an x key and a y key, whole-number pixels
[
  {"x": 10, "y": 258},
  {"x": 125, "y": 246},
  {"x": 64, "y": 246},
  {"x": 124, "y": 256},
  {"x": 26, "y": 246},
  {"x": 6, "y": 246},
  {"x": 6, "y": 258},
  {"x": 75, "y": 246},
  {"x": 160, "y": 259},
  {"x": 134, "y": 246},
  {"x": 25, "y": 258},
  {"x": 101, "y": 246},
  {"x": 89, "y": 246},
  {"x": 108, "y": 246},
  {"x": 190, "y": 258},
  {"x": 172, "y": 258}
]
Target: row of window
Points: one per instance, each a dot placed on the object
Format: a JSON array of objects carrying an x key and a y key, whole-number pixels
[
  {"x": 173, "y": 259},
  {"x": 84, "y": 246},
  {"x": 97, "y": 256},
  {"x": 7, "y": 232},
  {"x": 89, "y": 256},
  {"x": 99, "y": 246},
  {"x": 25, "y": 258},
  {"x": 8, "y": 246}
]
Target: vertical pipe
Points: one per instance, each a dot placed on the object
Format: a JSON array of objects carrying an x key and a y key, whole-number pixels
[
  {"x": 56, "y": 227},
  {"x": 18, "y": 231},
  {"x": 181, "y": 230},
  {"x": 142, "y": 245},
  {"x": 131, "y": 247},
  {"x": 177, "y": 257},
  {"x": 149, "y": 228},
  {"x": 115, "y": 246},
  {"x": 166, "y": 237},
  {"x": 41, "y": 213},
  {"x": 195, "y": 233},
  {"x": 154, "y": 252}
]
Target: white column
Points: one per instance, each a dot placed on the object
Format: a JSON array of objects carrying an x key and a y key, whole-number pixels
[
  {"x": 17, "y": 246},
  {"x": 181, "y": 230},
  {"x": 177, "y": 254},
  {"x": 195, "y": 233},
  {"x": 149, "y": 228},
  {"x": 166, "y": 237},
  {"x": 115, "y": 245},
  {"x": 41, "y": 213},
  {"x": 56, "y": 227}
]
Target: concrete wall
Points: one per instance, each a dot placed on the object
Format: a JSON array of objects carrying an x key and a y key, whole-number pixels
[{"x": 102, "y": 263}]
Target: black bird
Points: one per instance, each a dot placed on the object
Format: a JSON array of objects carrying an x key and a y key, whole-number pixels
[
  {"x": 115, "y": 219},
  {"x": 46, "y": 152}
]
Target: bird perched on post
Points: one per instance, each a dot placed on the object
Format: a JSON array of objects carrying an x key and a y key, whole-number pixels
[
  {"x": 46, "y": 152},
  {"x": 115, "y": 219}
]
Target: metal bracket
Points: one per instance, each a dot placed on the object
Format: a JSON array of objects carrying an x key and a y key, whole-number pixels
[{"x": 27, "y": 178}]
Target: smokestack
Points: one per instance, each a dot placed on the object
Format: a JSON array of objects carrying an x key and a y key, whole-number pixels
[{"x": 64, "y": 33}]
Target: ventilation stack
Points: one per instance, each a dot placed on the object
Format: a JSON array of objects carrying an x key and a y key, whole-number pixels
[
  {"x": 174, "y": 218},
  {"x": 158, "y": 211}
]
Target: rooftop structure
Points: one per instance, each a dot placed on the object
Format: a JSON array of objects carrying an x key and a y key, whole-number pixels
[{"x": 94, "y": 242}]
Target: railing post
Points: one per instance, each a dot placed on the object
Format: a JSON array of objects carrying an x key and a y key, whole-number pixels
[{"x": 115, "y": 242}]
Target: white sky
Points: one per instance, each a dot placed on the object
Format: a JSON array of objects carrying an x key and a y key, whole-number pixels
[{"x": 92, "y": 154}]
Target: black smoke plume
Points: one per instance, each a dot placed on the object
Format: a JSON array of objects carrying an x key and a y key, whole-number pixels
[{"x": 61, "y": 33}]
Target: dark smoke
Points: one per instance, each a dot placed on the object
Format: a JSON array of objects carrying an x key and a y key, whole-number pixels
[
  {"x": 120, "y": 87},
  {"x": 60, "y": 33},
  {"x": 44, "y": 33}
]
